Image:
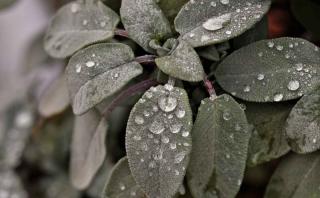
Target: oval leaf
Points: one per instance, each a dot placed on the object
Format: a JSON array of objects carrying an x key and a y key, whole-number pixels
[
  {"x": 99, "y": 71},
  {"x": 158, "y": 140},
  {"x": 144, "y": 21},
  {"x": 297, "y": 176},
  {"x": 121, "y": 183},
  {"x": 78, "y": 24},
  {"x": 271, "y": 70},
  {"x": 268, "y": 140},
  {"x": 211, "y": 21},
  {"x": 183, "y": 63},
  {"x": 219, "y": 152},
  {"x": 88, "y": 148},
  {"x": 55, "y": 99},
  {"x": 303, "y": 124}
]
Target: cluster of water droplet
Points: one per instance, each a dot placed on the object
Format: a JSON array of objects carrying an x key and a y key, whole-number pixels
[{"x": 161, "y": 130}]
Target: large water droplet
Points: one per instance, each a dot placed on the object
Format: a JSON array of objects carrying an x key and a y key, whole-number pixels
[
  {"x": 139, "y": 120},
  {"x": 299, "y": 66},
  {"x": 180, "y": 113},
  {"x": 75, "y": 8},
  {"x": 173, "y": 146},
  {"x": 217, "y": 23},
  {"x": 156, "y": 127},
  {"x": 226, "y": 115},
  {"x": 78, "y": 68},
  {"x": 247, "y": 89},
  {"x": 278, "y": 97},
  {"x": 260, "y": 76},
  {"x": 175, "y": 128},
  {"x": 224, "y": 2},
  {"x": 270, "y": 44},
  {"x": 185, "y": 133},
  {"x": 167, "y": 104},
  {"x": 293, "y": 85},
  {"x": 90, "y": 64},
  {"x": 122, "y": 187}
]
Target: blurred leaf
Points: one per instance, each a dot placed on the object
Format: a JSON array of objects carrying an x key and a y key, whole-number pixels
[
  {"x": 268, "y": 140},
  {"x": 121, "y": 183},
  {"x": 209, "y": 22},
  {"x": 220, "y": 143},
  {"x": 158, "y": 140},
  {"x": 303, "y": 124},
  {"x": 88, "y": 149},
  {"x": 56, "y": 98},
  {"x": 307, "y": 12},
  {"x": 99, "y": 71},
  {"x": 6, "y": 3},
  {"x": 144, "y": 22},
  {"x": 296, "y": 177},
  {"x": 183, "y": 63},
  {"x": 209, "y": 52},
  {"x": 271, "y": 70},
  {"x": 10, "y": 185},
  {"x": 59, "y": 187},
  {"x": 78, "y": 24}
]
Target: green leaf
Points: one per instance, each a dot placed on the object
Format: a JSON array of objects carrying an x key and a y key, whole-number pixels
[
  {"x": 99, "y": 71},
  {"x": 144, "y": 22},
  {"x": 78, "y": 24},
  {"x": 171, "y": 8},
  {"x": 306, "y": 12},
  {"x": 88, "y": 148},
  {"x": 121, "y": 183},
  {"x": 303, "y": 124},
  {"x": 219, "y": 153},
  {"x": 210, "y": 21},
  {"x": 297, "y": 176},
  {"x": 58, "y": 185},
  {"x": 11, "y": 185},
  {"x": 55, "y": 99},
  {"x": 183, "y": 63},
  {"x": 268, "y": 140},
  {"x": 209, "y": 52},
  {"x": 158, "y": 140},
  {"x": 271, "y": 70}
]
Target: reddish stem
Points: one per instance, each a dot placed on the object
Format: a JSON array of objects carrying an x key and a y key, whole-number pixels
[
  {"x": 146, "y": 59},
  {"x": 209, "y": 86},
  {"x": 120, "y": 32},
  {"x": 141, "y": 86}
]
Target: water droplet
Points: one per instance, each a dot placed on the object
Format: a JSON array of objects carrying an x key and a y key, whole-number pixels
[
  {"x": 173, "y": 146},
  {"x": 314, "y": 140},
  {"x": 133, "y": 193},
  {"x": 139, "y": 120},
  {"x": 23, "y": 119},
  {"x": 175, "y": 128},
  {"x": 137, "y": 138},
  {"x": 279, "y": 47},
  {"x": 226, "y": 115},
  {"x": 165, "y": 139},
  {"x": 260, "y": 54},
  {"x": 122, "y": 187},
  {"x": 103, "y": 24},
  {"x": 156, "y": 127},
  {"x": 78, "y": 68},
  {"x": 270, "y": 44},
  {"x": 85, "y": 22},
  {"x": 185, "y": 133},
  {"x": 299, "y": 66},
  {"x": 228, "y": 32},
  {"x": 228, "y": 156},
  {"x": 213, "y": 4},
  {"x": 167, "y": 104},
  {"x": 180, "y": 113},
  {"x": 90, "y": 64},
  {"x": 278, "y": 97},
  {"x": 293, "y": 85},
  {"x": 224, "y": 2},
  {"x": 217, "y": 23},
  {"x": 179, "y": 157},
  {"x": 176, "y": 172},
  {"x": 260, "y": 76},
  {"x": 247, "y": 89},
  {"x": 146, "y": 113},
  {"x": 239, "y": 182},
  {"x": 191, "y": 35},
  {"x": 186, "y": 144},
  {"x": 74, "y": 8}
]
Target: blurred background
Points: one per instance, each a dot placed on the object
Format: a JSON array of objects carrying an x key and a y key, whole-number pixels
[{"x": 40, "y": 158}]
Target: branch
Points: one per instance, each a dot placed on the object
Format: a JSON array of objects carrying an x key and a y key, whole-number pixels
[
  {"x": 209, "y": 86},
  {"x": 122, "y": 33}
]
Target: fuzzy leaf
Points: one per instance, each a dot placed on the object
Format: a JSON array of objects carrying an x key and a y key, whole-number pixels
[
  {"x": 99, "y": 71},
  {"x": 219, "y": 152},
  {"x": 211, "y": 21},
  {"x": 88, "y": 148},
  {"x": 78, "y": 24},
  {"x": 271, "y": 70},
  {"x": 303, "y": 124},
  {"x": 297, "y": 176},
  {"x": 11, "y": 185},
  {"x": 55, "y": 99},
  {"x": 121, "y": 183},
  {"x": 268, "y": 140},
  {"x": 158, "y": 140},
  {"x": 144, "y": 21},
  {"x": 183, "y": 63}
]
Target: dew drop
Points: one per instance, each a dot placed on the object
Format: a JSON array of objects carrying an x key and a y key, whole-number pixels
[
  {"x": 226, "y": 115},
  {"x": 179, "y": 157},
  {"x": 314, "y": 140},
  {"x": 173, "y": 146},
  {"x": 90, "y": 64},
  {"x": 299, "y": 66},
  {"x": 279, "y": 47},
  {"x": 78, "y": 68},
  {"x": 247, "y": 89},
  {"x": 74, "y": 8},
  {"x": 103, "y": 24},
  {"x": 217, "y": 23},
  {"x": 260, "y": 76},
  {"x": 84, "y": 22},
  {"x": 175, "y": 128},
  {"x": 224, "y": 2},
  {"x": 213, "y": 4},
  {"x": 278, "y": 97},
  {"x": 228, "y": 32},
  {"x": 167, "y": 104},
  {"x": 185, "y": 133},
  {"x": 139, "y": 120},
  {"x": 228, "y": 156},
  {"x": 293, "y": 85},
  {"x": 176, "y": 172},
  {"x": 122, "y": 187},
  {"x": 156, "y": 127},
  {"x": 180, "y": 113},
  {"x": 165, "y": 139},
  {"x": 270, "y": 44}
]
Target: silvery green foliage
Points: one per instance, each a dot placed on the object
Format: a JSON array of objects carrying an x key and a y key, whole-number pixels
[
  {"x": 268, "y": 140},
  {"x": 59, "y": 186},
  {"x": 96, "y": 72},
  {"x": 219, "y": 152},
  {"x": 271, "y": 70},
  {"x": 78, "y": 24},
  {"x": 303, "y": 124},
  {"x": 121, "y": 183},
  {"x": 144, "y": 21},
  {"x": 55, "y": 99},
  {"x": 158, "y": 140},
  {"x": 208, "y": 22},
  {"x": 11, "y": 185},
  {"x": 183, "y": 63},
  {"x": 88, "y": 148},
  {"x": 297, "y": 176}
]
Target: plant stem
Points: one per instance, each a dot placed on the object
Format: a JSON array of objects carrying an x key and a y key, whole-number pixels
[
  {"x": 146, "y": 59},
  {"x": 141, "y": 86},
  {"x": 120, "y": 32},
  {"x": 209, "y": 87}
]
